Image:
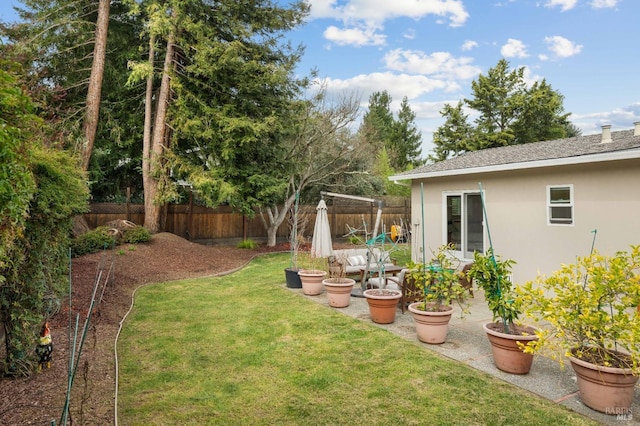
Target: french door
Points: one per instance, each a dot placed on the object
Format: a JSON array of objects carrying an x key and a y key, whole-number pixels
[{"x": 464, "y": 225}]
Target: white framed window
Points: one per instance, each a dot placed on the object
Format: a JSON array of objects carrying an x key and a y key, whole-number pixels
[{"x": 560, "y": 205}]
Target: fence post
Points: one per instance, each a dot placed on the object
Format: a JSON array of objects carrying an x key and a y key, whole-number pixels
[
  {"x": 244, "y": 228},
  {"x": 189, "y": 229},
  {"x": 128, "y": 212},
  {"x": 334, "y": 220}
]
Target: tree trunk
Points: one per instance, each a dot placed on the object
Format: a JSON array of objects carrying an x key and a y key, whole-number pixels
[
  {"x": 152, "y": 208},
  {"x": 275, "y": 219},
  {"x": 95, "y": 83},
  {"x": 272, "y": 234},
  {"x": 146, "y": 137}
]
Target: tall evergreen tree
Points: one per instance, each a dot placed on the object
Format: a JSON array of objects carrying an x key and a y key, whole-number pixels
[
  {"x": 377, "y": 123},
  {"x": 451, "y": 138},
  {"x": 220, "y": 100},
  {"x": 406, "y": 143},
  {"x": 56, "y": 43},
  {"x": 542, "y": 116},
  {"x": 498, "y": 97},
  {"x": 508, "y": 113},
  {"x": 399, "y": 137}
]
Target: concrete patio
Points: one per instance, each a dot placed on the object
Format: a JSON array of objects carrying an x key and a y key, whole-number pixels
[{"x": 467, "y": 343}]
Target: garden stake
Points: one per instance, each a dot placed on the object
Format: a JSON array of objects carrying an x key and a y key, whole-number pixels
[
  {"x": 593, "y": 244},
  {"x": 65, "y": 410},
  {"x": 493, "y": 258},
  {"x": 63, "y": 420},
  {"x": 294, "y": 231},
  {"x": 70, "y": 316},
  {"x": 424, "y": 251}
]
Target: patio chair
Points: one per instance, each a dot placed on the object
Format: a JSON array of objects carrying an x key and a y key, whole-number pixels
[{"x": 400, "y": 282}]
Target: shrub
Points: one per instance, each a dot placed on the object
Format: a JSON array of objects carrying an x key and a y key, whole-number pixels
[
  {"x": 136, "y": 235},
  {"x": 247, "y": 244},
  {"x": 92, "y": 242},
  {"x": 354, "y": 239},
  {"x": 588, "y": 310}
]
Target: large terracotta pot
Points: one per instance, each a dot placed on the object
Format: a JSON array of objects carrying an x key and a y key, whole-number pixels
[
  {"x": 338, "y": 291},
  {"x": 431, "y": 326},
  {"x": 311, "y": 281},
  {"x": 383, "y": 304},
  {"x": 507, "y": 355},
  {"x": 606, "y": 389}
]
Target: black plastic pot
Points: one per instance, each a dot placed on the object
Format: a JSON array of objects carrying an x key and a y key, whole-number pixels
[{"x": 293, "y": 279}]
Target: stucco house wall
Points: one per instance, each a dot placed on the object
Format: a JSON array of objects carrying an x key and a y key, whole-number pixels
[
  {"x": 603, "y": 172},
  {"x": 606, "y": 199}
]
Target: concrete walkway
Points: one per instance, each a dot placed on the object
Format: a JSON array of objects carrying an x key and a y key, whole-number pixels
[{"x": 468, "y": 343}]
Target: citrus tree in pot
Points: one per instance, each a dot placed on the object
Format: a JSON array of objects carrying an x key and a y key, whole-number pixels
[
  {"x": 439, "y": 285},
  {"x": 589, "y": 307},
  {"x": 506, "y": 335}
]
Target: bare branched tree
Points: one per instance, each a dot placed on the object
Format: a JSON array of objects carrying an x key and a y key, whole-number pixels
[{"x": 322, "y": 149}]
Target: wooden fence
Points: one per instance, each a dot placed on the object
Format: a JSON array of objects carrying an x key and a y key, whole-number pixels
[{"x": 196, "y": 222}]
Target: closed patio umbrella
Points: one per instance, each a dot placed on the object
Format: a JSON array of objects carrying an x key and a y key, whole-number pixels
[{"x": 321, "y": 242}]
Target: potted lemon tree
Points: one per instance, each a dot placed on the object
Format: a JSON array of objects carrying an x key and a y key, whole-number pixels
[
  {"x": 439, "y": 285},
  {"x": 507, "y": 336},
  {"x": 590, "y": 309}
]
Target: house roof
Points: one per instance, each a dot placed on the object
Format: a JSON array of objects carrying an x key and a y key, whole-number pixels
[{"x": 624, "y": 144}]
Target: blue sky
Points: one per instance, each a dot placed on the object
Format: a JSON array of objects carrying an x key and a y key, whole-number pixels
[{"x": 431, "y": 50}]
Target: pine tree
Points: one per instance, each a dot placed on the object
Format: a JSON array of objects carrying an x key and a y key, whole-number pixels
[
  {"x": 508, "y": 113},
  {"x": 454, "y": 136},
  {"x": 406, "y": 143}
]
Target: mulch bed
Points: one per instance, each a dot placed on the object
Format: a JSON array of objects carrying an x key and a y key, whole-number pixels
[{"x": 40, "y": 399}]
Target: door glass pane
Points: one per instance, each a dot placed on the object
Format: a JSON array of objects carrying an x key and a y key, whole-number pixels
[
  {"x": 454, "y": 220},
  {"x": 474, "y": 237}
]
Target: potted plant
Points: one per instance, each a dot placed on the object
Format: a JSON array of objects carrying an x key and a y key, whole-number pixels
[
  {"x": 438, "y": 284},
  {"x": 338, "y": 286},
  {"x": 311, "y": 275},
  {"x": 506, "y": 335},
  {"x": 295, "y": 235},
  {"x": 383, "y": 304},
  {"x": 589, "y": 308}
]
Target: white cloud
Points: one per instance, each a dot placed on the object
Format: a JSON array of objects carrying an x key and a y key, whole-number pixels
[
  {"x": 410, "y": 34},
  {"x": 468, "y": 45},
  {"x": 430, "y": 110},
  {"x": 602, "y": 4},
  {"x": 562, "y": 47},
  {"x": 529, "y": 77},
  {"x": 514, "y": 49},
  {"x": 354, "y": 36},
  {"x": 398, "y": 85},
  {"x": 381, "y": 10},
  {"x": 441, "y": 65},
  {"x": 564, "y": 4},
  {"x": 619, "y": 119}
]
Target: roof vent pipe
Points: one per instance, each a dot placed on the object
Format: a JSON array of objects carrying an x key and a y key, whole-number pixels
[
  {"x": 636, "y": 129},
  {"x": 606, "y": 133}
]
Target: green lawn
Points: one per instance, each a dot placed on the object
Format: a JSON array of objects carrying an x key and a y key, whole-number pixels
[{"x": 242, "y": 349}]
